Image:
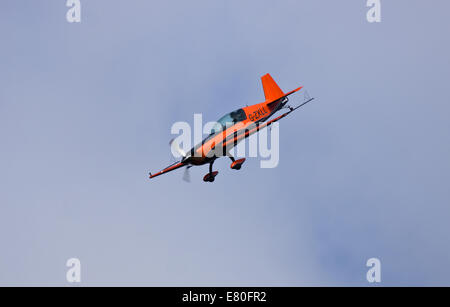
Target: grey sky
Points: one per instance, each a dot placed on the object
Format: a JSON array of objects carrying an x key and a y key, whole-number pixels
[{"x": 86, "y": 111}]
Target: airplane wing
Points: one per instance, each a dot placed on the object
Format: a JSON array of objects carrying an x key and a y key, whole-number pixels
[{"x": 168, "y": 169}]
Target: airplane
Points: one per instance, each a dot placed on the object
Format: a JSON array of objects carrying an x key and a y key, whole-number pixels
[{"x": 233, "y": 128}]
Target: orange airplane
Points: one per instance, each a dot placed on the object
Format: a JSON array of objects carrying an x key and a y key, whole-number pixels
[{"x": 233, "y": 128}]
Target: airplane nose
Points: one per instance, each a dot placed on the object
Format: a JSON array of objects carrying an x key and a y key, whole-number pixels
[{"x": 184, "y": 158}]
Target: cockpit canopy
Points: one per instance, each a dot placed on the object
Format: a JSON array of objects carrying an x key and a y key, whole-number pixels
[{"x": 229, "y": 119}]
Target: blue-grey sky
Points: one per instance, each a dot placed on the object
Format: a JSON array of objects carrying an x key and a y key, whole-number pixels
[{"x": 86, "y": 110}]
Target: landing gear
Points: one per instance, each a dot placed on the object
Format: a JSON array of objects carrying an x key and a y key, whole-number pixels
[
  {"x": 211, "y": 175},
  {"x": 236, "y": 164}
]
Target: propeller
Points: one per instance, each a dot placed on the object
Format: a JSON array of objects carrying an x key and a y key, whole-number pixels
[
  {"x": 187, "y": 174},
  {"x": 176, "y": 147}
]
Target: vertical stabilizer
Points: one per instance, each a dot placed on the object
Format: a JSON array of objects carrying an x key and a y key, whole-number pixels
[{"x": 272, "y": 91}]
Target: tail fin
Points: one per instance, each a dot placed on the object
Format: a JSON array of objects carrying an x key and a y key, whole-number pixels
[{"x": 272, "y": 91}]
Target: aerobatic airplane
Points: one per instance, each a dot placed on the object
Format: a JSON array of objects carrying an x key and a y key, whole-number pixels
[{"x": 233, "y": 128}]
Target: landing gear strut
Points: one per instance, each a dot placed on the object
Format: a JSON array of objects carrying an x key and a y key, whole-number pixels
[{"x": 211, "y": 175}]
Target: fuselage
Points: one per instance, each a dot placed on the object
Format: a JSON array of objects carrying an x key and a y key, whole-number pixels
[{"x": 230, "y": 130}]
